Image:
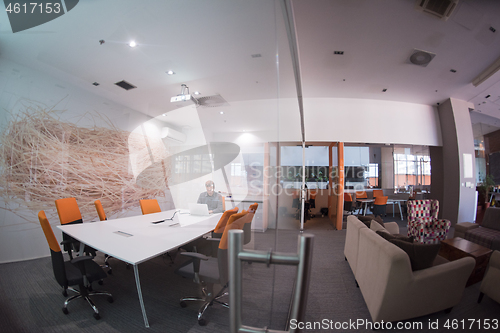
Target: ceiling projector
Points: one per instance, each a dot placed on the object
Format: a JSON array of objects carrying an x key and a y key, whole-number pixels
[{"x": 183, "y": 96}]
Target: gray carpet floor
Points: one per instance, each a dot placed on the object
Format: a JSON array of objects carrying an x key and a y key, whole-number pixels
[{"x": 31, "y": 300}]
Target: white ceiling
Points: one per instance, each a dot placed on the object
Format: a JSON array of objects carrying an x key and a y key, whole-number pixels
[{"x": 209, "y": 44}]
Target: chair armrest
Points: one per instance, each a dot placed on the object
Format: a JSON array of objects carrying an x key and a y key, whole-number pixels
[
  {"x": 392, "y": 227},
  {"x": 81, "y": 258},
  {"x": 195, "y": 255},
  {"x": 211, "y": 239},
  {"x": 495, "y": 259},
  {"x": 68, "y": 241}
]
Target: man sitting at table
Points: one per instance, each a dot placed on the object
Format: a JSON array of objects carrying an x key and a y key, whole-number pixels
[{"x": 211, "y": 198}]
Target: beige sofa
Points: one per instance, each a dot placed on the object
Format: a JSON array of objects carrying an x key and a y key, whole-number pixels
[{"x": 391, "y": 290}]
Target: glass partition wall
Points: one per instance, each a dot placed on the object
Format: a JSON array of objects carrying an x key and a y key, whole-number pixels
[{"x": 230, "y": 133}]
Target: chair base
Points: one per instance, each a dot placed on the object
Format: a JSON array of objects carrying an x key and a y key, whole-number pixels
[
  {"x": 208, "y": 300},
  {"x": 86, "y": 295}
]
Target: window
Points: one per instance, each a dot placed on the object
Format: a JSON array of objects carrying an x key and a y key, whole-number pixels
[{"x": 412, "y": 166}]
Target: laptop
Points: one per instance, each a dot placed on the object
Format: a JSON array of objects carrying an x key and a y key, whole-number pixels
[{"x": 198, "y": 209}]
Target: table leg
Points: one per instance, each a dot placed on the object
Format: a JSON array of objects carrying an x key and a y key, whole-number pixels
[
  {"x": 139, "y": 293},
  {"x": 393, "y": 208},
  {"x": 400, "y": 210}
]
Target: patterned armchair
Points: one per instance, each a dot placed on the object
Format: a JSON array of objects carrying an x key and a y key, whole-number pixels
[{"x": 423, "y": 222}]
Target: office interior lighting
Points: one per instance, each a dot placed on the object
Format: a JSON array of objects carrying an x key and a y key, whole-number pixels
[
  {"x": 132, "y": 44},
  {"x": 170, "y": 72}
]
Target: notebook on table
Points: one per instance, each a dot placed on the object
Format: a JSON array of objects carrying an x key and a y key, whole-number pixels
[{"x": 198, "y": 209}]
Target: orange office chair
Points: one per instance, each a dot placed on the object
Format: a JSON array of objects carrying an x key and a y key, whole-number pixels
[
  {"x": 149, "y": 206},
  {"x": 100, "y": 210},
  {"x": 312, "y": 198},
  {"x": 102, "y": 217},
  {"x": 221, "y": 225},
  {"x": 378, "y": 193},
  {"x": 360, "y": 195},
  {"x": 349, "y": 207},
  {"x": 379, "y": 206},
  {"x": 69, "y": 213},
  {"x": 210, "y": 271},
  {"x": 71, "y": 273},
  {"x": 247, "y": 228}
]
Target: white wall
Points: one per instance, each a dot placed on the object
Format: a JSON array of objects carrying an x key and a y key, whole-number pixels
[
  {"x": 371, "y": 121},
  {"x": 21, "y": 237}
]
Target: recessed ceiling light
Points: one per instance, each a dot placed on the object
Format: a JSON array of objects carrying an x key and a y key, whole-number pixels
[
  {"x": 384, "y": 90},
  {"x": 170, "y": 72},
  {"x": 95, "y": 84},
  {"x": 196, "y": 93},
  {"x": 132, "y": 44},
  {"x": 222, "y": 112},
  {"x": 164, "y": 115}
]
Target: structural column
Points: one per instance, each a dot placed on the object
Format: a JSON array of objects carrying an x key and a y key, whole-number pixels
[{"x": 458, "y": 188}]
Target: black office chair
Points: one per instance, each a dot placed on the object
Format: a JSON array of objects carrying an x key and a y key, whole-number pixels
[
  {"x": 349, "y": 207},
  {"x": 72, "y": 272},
  {"x": 210, "y": 271},
  {"x": 379, "y": 206}
]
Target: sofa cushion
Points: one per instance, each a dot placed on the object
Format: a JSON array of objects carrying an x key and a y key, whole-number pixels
[
  {"x": 377, "y": 227},
  {"x": 483, "y": 236},
  {"x": 491, "y": 218},
  {"x": 421, "y": 255},
  {"x": 388, "y": 236},
  {"x": 369, "y": 218}
]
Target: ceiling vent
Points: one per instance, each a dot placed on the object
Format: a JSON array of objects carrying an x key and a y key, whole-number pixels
[
  {"x": 125, "y": 85},
  {"x": 438, "y": 8},
  {"x": 211, "y": 101},
  {"x": 420, "y": 58}
]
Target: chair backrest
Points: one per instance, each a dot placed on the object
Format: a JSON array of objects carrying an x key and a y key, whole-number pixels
[
  {"x": 312, "y": 194},
  {"x": 149, "y": 206},
  {"x": 423, "y": 208},
  {"x": 100, "y": 210},
  {"x": 347, "y": 197},
  {"x": 378, "y": 193},
  {"x": 247, "y": 228},
  {"x": 236, "y": 222},
  {"x": 68, "y": 211},
  {"x": 361, "y": 195},
  {"x": 380, "y": 200},
  {"x": 223, "y": 203},
  {"x": 55, "y": 250},
  {"x": 221, "y": 225}
]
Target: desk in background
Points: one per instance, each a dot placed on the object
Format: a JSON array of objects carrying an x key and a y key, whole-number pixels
[{"x": 136, "y": 239}]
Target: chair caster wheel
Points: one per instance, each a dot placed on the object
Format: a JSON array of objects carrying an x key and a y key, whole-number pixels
[
  {"x": 97, "y": 316},
  {"x": 65, "y": 293},
  {"x": 183, "y": 304},
  {"x": 65, "y": 310},
  {"x": 110, "y": 272},
  {"x": 100, "y": 282},
  {"x": 202, "y": 322},
  {"x": 110, "y": 299}
]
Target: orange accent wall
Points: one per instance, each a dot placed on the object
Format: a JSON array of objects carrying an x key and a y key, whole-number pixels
[{"x": 340, "y": 186}]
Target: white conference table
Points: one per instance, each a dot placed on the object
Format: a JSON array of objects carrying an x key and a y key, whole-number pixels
[
  {"x": 137, "y": 239},
  {"x": 389, "y": 201}
]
